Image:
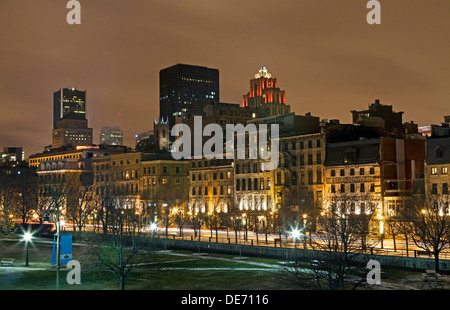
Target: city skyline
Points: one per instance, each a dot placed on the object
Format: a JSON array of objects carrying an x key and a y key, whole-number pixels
[{"x": 324, "y": 54}]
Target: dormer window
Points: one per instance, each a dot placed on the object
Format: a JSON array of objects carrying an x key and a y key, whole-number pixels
[{"x": 350, "y": 155}]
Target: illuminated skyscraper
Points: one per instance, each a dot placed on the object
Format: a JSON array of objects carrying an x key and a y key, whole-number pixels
[
  {"x": 181, "y": 85},
  {"x": 66, "y": 101},
  {"x": 70, "y": 126},
  {"x": 111, "y": 136},
  {"x": 265, "y": 94}
]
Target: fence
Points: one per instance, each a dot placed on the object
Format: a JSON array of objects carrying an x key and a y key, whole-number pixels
[{"x": 304, "y": 243}]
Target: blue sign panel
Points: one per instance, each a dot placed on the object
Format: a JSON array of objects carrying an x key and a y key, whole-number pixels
[{"x": 65, "y": 249}]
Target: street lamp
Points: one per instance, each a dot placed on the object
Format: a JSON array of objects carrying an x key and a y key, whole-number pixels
[
  {"x": 295, "y": 235},
  {"x": 27, "y": 238},
  {"x": 153, "y": 228}
]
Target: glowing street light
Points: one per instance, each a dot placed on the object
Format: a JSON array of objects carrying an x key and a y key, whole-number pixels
[
  {"x": 295, "y": 234},
  {"x": 27, "y": 238}
]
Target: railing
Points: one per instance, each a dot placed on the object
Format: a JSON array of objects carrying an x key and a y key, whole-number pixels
[{"x": 412, "y": 252}]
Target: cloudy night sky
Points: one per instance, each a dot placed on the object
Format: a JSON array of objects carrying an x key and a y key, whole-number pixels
[{"x": 323, "y": 52}]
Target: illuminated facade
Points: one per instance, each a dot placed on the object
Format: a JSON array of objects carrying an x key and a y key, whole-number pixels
[
  {"x": 111, "y": 136},
  {"x": 437, "y": 166},
  {"x": 137, "y": 180},
  {"x": 353, "y": 177},
  {"x": 211, "y": 186},
  {"x": 265, "y": 94},
  {"x": 302, "y": 162},
  {"x": 72, "y": 130}
]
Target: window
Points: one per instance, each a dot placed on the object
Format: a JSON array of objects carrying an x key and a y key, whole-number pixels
[
  {"x": 164, "y": 181},
  {"x": 249, "y": 184},
  {"x": 310, "y": 176},
  {"x": 177, "y": 170},
  {"x": 342, "y": 173},
  {"x": 215, "y": 190},
  {"x": 352, "y": 188},
  {"x": 164, "y": 169},
  {"x": 206, "y": 190},
  {"x": 372, "y": 170},
  {"x": 319, "y": 158},
  {"x": 255, "y": 184},
  {"x": 268, "y": 183},
  {"x": 434, "y": 188},
  {"x": 342, "y": 188},
  {"x": 439, "y": 152},
  {"x": 238, "y": 184},
  {"x": 445, "y": 188},
  {"x": 444, "y": 170},
  {"x": 333, "y": 189},
  {"x": 361, "y": 171},
  {"x": 333, "y": 173},
  {"x": 363, "y": 207},
  {"x": 372, "y": 187},
  {"x": 319, "y": 175},
  {"x": 352, "y": 171},
  {"x": 261, "y": 183},
  {"x": 237, "y": 168},
  {"x": 302, "y": 160},
  {"x": 193, "y": 191},
  {"x": 229, "y": 189},
  {"x": 302, "y": 145},
  {"x": 228, "y": 175},
  {"x": 310, "y": 144},
  {"x": 310, "y": 159},
  {"x": 318, "y": 143},
  {"x": 362, "y": 188},
  {"x": 433, "y": 171},
  {"x": 278, "y": 177}
]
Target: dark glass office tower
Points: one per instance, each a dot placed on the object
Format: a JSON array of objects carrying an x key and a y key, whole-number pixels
[
  {"x": 181, "y": 85},
  {"x": 66, "y": 101}
]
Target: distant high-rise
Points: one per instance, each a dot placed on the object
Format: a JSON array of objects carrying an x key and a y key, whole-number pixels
[
  {"x": 181, "y": 85},
  {"x": 266, "y": 95},
  {"x": 67, "y": 101},
  {"x": 70, "y": 126},
  {"x": 111, "y": 136}
]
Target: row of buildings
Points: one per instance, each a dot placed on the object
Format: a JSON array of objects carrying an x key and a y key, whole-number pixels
[{"x": 374, "y": 164}]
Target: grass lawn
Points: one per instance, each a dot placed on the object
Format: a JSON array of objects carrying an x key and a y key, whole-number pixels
[{"x": 170, "y": 271}]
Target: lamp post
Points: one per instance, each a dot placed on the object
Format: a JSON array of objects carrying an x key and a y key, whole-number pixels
[
  {"x": 295, "y": 235},
  {"x": 27, "y": 238},
  {"x": 381, "y": 229}
]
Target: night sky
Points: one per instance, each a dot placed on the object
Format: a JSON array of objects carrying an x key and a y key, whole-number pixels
[{"x": 323, "y": 52}]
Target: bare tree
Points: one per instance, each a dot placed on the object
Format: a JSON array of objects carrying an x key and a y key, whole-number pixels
[
  {"x": 8, "y": 200},
  {"x": 118, "y": 254},
  {"x": 339, "y": 241},
  {"x": 429, "y": 224}
]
